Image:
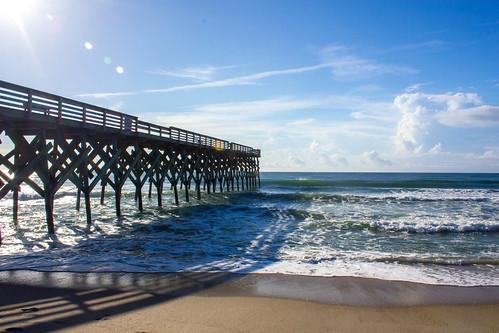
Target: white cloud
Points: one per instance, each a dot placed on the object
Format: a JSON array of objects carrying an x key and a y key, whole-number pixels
[
  {"x": 426, "y": 44},
  {"x": 373, "y": 158},
  {"x": 338, "y": 59},
  {"x": 480, "y": 116},
  {"x": 314, "y": 145},
  {"x": 263, "y": 106},
  {"x": 347, "y": 66},
  {"x": 301, "y": 122},
  {"x": 411, "y": 123},
  {"x": 415, "y": 87},
  {"x": 206, "y": 73},
  {"x": 234, "y": 81},
  {"x": 296, "y": 162},
  {"x": 418, "y": 110},
  {"x": 490, "y": 154},
  {"x": 334, "y": 160},
  {"x": 436, "y": 149}
]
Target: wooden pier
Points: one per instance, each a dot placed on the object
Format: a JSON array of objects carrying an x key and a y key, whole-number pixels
[{"x": 57, "y": 139}]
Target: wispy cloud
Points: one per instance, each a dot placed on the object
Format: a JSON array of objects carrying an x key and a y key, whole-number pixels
[
  {"x": 341, "y": 62},
  {"x": 437, "y": 43},
  {"x": 265, "y": 106},
  {"x": 206, "y": 73},
  {"x": 234, "y": 81},
  {"x": 415, "y": 87},
  {"x": 346, "y": 65}
]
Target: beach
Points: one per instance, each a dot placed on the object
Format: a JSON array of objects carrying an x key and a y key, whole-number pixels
[{"x": 220, "y": 302}]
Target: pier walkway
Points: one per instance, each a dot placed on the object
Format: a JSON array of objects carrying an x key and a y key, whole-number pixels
[{"x": 57, "y": 139}]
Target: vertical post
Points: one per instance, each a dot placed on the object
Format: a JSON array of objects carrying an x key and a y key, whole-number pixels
[
  {"x": 15, "y": 194},
  {"x": 159, "y": 188},
  {"x": 258, "y": 171},
  {"x": 198, "y": 189},
  {"x": 88, "y": 209},
  {"x": 186, "y": 190},
  {"x": 175, "y": 192},
  {"x": 117, "y": 187},
  {"x": 117, "y": 200},
  {"x": 138, "y": 179},
  {"x": 78, "y": 199},
  {"x": 139, "y": 197},
  {"x": 86, "y": 188},
  {"x": 150, "y": 188},
  {"x": 103, "y": 191},
  {"x": 48, "y": 186},
  {"x": 49, "y": 211}
]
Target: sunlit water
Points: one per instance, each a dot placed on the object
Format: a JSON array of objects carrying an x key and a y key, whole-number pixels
[{"x": 440, "y": 228}]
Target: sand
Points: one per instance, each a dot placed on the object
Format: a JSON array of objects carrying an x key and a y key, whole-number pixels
[{"x": 208, "y": 302}]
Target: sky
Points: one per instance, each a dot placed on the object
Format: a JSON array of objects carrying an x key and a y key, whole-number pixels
[{"x": 385, "y": 86}]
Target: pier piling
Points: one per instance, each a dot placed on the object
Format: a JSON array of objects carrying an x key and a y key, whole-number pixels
[{"x": 56, "y": 140}]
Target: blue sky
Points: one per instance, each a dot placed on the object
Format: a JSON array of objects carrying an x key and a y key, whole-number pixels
[{"x": 318, "y": 86}]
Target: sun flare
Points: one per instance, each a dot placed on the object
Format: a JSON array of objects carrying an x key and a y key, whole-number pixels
[{"x": 17, "y": 10}]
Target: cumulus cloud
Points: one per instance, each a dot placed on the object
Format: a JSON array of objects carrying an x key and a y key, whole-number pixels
[
  {"x": 372, "y": 157},
  {"x": 480, "y": 116},
  {"x": 418, "y": 110}
]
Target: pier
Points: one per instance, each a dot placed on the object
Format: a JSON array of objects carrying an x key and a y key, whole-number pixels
[{"x": 57, "y": 139}]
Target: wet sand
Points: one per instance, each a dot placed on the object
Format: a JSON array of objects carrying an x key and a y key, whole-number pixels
[{"x": 223, "y": 302}]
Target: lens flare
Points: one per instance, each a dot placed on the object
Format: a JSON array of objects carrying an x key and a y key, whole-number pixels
[{"x": 88, "y": 45}]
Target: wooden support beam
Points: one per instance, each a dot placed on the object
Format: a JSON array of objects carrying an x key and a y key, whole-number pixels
[
  {"x": 15, "y": 190},
  {"x": 78, "y": 200}
]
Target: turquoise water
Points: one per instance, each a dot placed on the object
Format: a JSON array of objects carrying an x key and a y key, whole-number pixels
[{"x": 433, "y": 228}]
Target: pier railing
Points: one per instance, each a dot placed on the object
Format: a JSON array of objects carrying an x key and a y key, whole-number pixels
[{"x": 32, "y": 101}]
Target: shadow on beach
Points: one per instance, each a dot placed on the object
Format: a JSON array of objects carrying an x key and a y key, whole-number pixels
[{"x": 34, "y": 301}]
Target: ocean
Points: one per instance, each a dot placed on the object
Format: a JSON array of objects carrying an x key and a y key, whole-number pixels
[{"x": 420, "y": 227}]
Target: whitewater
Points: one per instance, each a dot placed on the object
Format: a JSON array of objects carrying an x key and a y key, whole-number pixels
[{"x": 428, "y": 228}]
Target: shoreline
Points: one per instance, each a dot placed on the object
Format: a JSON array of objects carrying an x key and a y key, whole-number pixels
[
  {"x": 226, "y": 302},
  {"x": 336, "y": 290}
]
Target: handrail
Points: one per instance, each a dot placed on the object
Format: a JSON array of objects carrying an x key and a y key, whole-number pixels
[{"x": 16, "y": 97}]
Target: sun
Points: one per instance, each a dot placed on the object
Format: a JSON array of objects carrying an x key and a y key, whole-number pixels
[{"x": 17, "y": 10}]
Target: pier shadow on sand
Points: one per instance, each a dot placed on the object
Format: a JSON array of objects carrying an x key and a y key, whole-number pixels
[{"x": 34, "y": 301}]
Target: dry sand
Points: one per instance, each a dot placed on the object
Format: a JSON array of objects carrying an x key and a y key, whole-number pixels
[{"x": 206, "y": 302}]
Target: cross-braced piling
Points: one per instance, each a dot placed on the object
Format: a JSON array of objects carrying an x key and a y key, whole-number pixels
[{"x": 56, "y": 139}]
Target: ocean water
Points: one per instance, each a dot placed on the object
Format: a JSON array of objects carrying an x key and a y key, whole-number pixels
[{"x": 430, "y": 228}]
